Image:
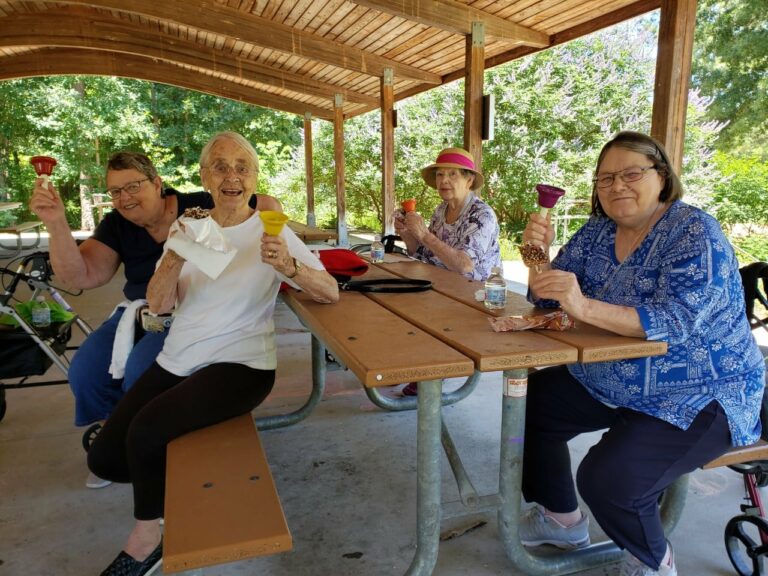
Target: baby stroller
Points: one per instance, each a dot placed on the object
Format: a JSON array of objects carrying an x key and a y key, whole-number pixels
[
  {"x": 26, "y": 350},
  {"x": 746, "y": 535}
]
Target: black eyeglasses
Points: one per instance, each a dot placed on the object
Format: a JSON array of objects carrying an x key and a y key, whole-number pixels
[
  {"x": 130, "y": 188},
  {"x": 634, "y": 174}
]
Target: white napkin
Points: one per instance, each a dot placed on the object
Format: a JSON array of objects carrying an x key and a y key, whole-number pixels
[
  {"x": 202, "y": 243},
  {"x": 124, "y": 337}
]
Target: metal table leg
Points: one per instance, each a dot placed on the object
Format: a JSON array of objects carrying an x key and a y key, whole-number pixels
[
  {"x": 510, "y": 479},
  {"x": 318, "y": 388},
  {"x": 428, "y": 489},
  {"x": 409, "y": 402}
]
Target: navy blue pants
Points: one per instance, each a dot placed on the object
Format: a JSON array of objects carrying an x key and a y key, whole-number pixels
[
  {"x": 623, "y": 475},
  {"x": 160, "y": 407},
  {"x": 96, "y": 392}
]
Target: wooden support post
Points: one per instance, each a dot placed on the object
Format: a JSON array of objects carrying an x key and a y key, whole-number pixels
[
  {"x": 673, "y": 73},
  {"x": 338, "y": 157},
  {"x": 387, "y": 151},
  {"x": 473, "y": 93},
  {"x": 311, "y": 220}
]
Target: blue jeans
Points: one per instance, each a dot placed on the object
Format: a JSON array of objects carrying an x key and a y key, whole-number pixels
[{"x": 96, "y": 392}]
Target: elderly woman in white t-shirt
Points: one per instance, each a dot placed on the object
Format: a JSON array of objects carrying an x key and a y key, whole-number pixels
[{"x": 219, "y": 358}]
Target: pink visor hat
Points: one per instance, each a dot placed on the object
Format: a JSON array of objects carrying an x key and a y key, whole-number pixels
[{"x": 452, "y": 158}]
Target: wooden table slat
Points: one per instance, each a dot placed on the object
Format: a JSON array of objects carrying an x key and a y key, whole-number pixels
[
  {"x": 593, "y": 344},
  {"x": 469, "y": 331},
  {"x": 380, "y": 348}
]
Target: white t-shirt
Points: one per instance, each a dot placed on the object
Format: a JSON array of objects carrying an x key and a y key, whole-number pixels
[{"x": 229, "y": 319}]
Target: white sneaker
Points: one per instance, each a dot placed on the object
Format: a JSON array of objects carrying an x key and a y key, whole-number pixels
[
  {"x": 631, "y": 566},
  {"x": 94, "y": 481}
]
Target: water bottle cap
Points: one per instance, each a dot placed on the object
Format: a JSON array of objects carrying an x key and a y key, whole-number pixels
[
  {"x": 40, "y": 298},
  {"x": 377, "y": 237}
]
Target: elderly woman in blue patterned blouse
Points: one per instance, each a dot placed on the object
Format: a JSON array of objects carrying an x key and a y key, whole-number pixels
[{"x": 646, "y": 265}]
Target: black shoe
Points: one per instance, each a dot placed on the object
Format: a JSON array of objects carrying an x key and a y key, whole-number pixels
[{"x": 126, "y": 565}]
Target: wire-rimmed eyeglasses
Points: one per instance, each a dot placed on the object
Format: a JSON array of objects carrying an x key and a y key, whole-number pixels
[
  {"x": 130, "y": 188},
  {"x": 633, "y": 174},
  {"x": 222, "y": 169}
]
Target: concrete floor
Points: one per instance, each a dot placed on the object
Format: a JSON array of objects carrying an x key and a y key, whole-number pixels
[{"x": 346, "y": 476}]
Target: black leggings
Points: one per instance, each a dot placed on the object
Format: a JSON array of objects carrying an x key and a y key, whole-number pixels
[{"x": 161, "y": 406}]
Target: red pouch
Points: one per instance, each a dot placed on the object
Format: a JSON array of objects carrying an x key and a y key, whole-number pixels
[{"x": 342, "y": 264}]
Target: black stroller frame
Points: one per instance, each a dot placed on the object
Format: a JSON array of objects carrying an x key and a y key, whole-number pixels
[
  {"x": 746, "y": 535},
  {"x": 30, "y": 351}
]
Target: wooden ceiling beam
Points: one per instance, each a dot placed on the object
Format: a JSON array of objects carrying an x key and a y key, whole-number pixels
[
  {"x": 219, "y": 19},
  {"x": 65, "y": 61},
  {"x": 103, "y": 32},
  {"x": 608, "y": 19},
  {"x": 457, "y": 18}
]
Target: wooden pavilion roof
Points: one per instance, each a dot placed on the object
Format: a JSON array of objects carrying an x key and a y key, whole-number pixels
[{"x": 290, "y": 55}]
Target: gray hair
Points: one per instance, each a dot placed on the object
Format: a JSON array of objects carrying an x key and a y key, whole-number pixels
[
  {"x": 651, "y": 149},
  {"x": 234, "y": 137}
]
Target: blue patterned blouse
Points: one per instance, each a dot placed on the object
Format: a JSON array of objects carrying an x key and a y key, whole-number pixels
[
  {"x": 476, "y": 232},
  {"x": 684, "y": 282}
]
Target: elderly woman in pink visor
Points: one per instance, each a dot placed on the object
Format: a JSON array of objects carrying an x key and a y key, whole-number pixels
[{"x": 463, "y": 233}]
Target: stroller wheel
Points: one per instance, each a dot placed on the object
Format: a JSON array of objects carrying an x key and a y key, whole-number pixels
[
  {"x": 3, "y": 405},
  {"x": 90, "y": 435},
  {"x": 744, "y": 537}
]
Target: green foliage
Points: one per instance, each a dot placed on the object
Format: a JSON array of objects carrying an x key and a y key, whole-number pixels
[
  {"x": 739, "y": 197},
  {"x": 82, "y": 120},
  {"x": 752, "y": 248},
  {"x": 730, "y": 63},
  {"x": 509, "y": 250}
]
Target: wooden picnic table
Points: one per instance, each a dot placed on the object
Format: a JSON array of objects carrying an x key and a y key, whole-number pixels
[
  {"x": 310, "y": 234},
  {"x": 9, "y": 205},
  {"x": 387, "y": 338},
  {"x": 18, "y": 229}
]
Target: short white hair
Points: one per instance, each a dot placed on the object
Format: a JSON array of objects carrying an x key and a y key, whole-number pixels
[{"x": 234, "y": 137}]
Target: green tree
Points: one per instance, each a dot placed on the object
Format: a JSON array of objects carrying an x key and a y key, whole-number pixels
[
  {"x": 730, "y": 64},
  {"x": 82, "y": 120}
]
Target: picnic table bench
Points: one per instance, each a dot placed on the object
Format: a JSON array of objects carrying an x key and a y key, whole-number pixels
[{"x": 221, "y": 503}]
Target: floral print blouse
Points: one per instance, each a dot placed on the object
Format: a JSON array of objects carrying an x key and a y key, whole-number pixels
[
  {"x": 684, "y": 282},
  {"x": 476, "y": 232}
]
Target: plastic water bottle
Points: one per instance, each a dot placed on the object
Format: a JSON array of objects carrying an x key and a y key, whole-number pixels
[
  {"x": 41, "y": 313},
  {"x": 377, "y": 250},
  {"x": 495, "y": 290}
]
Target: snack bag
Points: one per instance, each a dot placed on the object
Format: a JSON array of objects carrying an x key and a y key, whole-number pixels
[
  {"x": 197, "y": 238},
  {"x": 557, "y": 320}
]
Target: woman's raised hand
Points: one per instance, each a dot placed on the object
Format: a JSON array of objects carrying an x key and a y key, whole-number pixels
[
  {"x": 539, "y": 231},
  {"x": 46, "y": 204},
  {"x": 274, "y": 251},
  {"x": 415, "y": 226}
]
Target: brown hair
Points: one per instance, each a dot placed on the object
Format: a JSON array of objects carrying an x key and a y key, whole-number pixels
[
  {"x": 132, "y": 161},
  {"x": 651, "y": 149}
]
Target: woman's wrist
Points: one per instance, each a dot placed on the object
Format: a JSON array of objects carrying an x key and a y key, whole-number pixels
[
  {"x": 174, "y": 258},
  {"x": 428, "y": 239}
]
